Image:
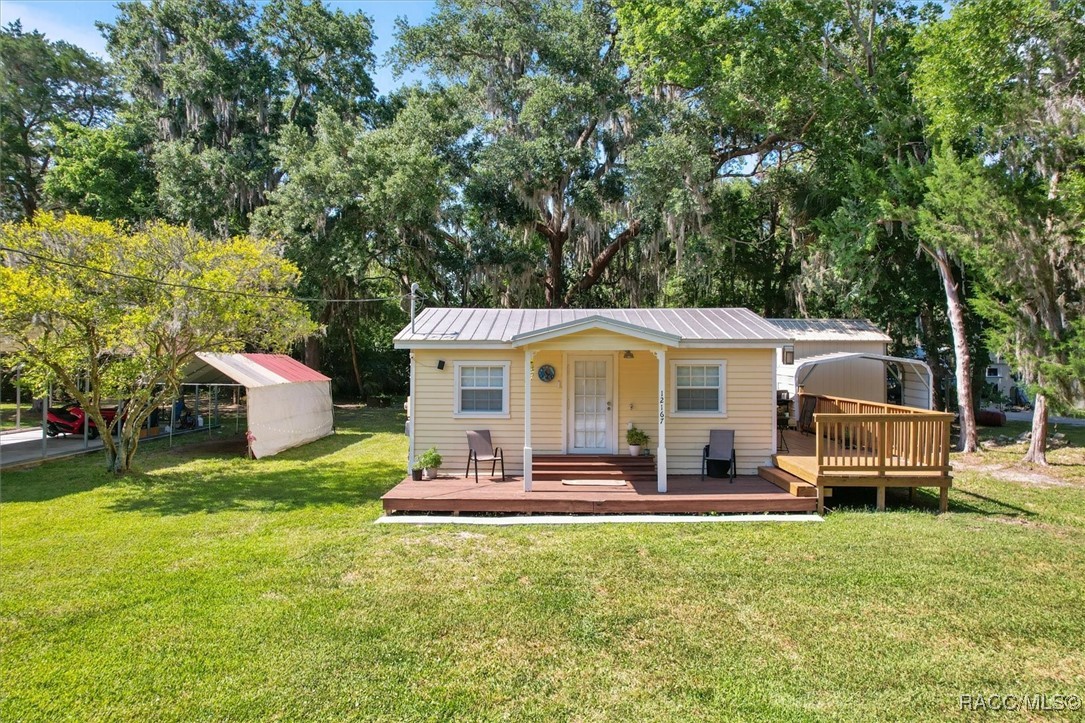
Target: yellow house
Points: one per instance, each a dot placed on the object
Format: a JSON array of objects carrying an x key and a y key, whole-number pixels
[{"x": 572, "y": 381}]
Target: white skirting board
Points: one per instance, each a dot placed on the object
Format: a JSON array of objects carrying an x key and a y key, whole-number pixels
[{"x": 585, "y": 519}]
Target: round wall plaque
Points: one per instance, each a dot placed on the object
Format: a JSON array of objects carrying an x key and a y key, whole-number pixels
[{"x": 547, "y": 373}]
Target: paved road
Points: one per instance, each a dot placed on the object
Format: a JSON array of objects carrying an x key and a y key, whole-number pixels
[{"x": 1027, "y": 417}]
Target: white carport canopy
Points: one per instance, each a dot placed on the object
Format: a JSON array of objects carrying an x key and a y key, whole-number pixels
[
  {"x": 289, "y": 404},
  {"x": 915, "y": 377}
]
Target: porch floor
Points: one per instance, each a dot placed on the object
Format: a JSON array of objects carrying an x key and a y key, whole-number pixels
[{"x": 686, "y": 494}]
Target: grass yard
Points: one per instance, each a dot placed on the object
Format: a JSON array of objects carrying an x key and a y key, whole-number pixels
[
  {"x": 210, "y": 587},
  {"x": 27, "y": 417}
]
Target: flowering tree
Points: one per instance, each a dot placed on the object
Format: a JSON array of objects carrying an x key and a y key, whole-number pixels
[{"x": 108, "y": 312}]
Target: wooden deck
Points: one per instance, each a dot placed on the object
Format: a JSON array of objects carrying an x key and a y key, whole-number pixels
[
  {"x": 686, "y": 494},
  {"x": 800, "y": 460}
]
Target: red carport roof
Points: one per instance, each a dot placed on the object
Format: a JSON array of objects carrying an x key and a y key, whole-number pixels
[
  {"x": 249, "y": 370},
  {"x": 288, "y": 368}
]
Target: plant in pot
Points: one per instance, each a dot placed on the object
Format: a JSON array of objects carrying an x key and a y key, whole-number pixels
[
  {"x": 430, "y": 461},
  {"x": 635, "y": 438}
]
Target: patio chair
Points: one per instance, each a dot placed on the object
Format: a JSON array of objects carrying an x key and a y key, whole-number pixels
[
  {"x": 806, "y": 415},
  {"x": 720, "y": 448},
  {"x": 481, "y": 449}
]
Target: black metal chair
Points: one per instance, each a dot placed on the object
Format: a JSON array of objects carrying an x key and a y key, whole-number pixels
[
  {"x": 720, "y": 448},
  {"x": 481, "y": 449},
  {"x": 806, "y": 414}
]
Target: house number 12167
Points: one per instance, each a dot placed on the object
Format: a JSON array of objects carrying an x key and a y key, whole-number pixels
[{"x": 661, "y": 408}]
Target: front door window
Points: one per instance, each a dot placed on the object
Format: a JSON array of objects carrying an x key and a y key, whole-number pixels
[{"x": 591, "y": 406}]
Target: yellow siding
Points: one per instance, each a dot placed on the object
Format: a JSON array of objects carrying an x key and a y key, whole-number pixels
[
  {"x": 749, "y": 395},
  {"x": 637, "y": 390},
  {"x": 750, "y": 412},
  {"x": 434, "y": 406}
]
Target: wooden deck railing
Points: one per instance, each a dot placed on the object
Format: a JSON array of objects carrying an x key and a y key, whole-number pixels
[{"x": 879, "y": 439}]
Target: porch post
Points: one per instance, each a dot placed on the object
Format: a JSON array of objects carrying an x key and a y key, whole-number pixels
[
  {"x": 529, "y": 371},
  {"x": 410, "y": 420},
  {"x": 661, "y": 452}
]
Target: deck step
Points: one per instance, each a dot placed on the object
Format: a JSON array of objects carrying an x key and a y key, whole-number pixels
[
  {"x": 803, "y": 467},
  {"x": 558, "y": 467},
  {"x": 577, "y": 474},
  {"x": 787, "y": 482}
]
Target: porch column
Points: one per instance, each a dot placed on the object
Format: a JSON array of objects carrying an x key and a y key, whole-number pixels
[
  {"x": 410, "y": 420},
  {"x": 661, "y": 452},
  {"x": 529, "y": 371}
]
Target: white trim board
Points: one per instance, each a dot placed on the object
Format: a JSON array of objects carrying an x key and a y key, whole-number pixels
[{"x": 586, "y": 520}]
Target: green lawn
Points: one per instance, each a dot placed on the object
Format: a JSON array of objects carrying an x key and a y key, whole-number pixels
[
  {"x": 208, "y": 587},
  {"x": 28, "y": 417}
]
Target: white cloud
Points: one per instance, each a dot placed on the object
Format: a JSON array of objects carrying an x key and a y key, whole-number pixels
[{"x": 69, "y": 21}]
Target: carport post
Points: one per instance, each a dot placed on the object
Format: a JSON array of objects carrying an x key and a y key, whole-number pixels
[
  {"x": 45, "y": 419},
  {"x": 86, "y": 417}
]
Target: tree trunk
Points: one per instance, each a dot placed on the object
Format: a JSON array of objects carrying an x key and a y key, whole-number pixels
[
  {"x": 119, "y": 454},
  {"x": 955, "y": 311},
  {"x": 600, "y": 263},
  {"x": 555, "y": 275},
  {"x": 1037, "y": 447},
  {"x": 354, "y": 362},
  {"x": 312, "y": 352}
]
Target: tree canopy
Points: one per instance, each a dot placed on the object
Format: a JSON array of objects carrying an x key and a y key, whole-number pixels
[
  {"x": 43, "y": 83},
  {"x": 878, "y": 158}
]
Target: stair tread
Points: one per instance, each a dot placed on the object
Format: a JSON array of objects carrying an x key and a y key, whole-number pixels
[{"x": 787, "y": 481}]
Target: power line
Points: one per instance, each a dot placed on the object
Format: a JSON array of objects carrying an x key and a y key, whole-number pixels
[{"x": 192, "y": 287}]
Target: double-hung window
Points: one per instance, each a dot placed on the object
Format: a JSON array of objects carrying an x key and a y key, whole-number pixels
[
  {"x": 699, "y": 388},
  {"x": 482, "y": 389}
]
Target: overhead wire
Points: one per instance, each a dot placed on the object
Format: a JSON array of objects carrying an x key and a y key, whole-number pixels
[{"x": 193, "y": 287}]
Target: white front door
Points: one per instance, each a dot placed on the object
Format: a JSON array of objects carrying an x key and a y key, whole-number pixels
[{"x": 591, "y": 406}]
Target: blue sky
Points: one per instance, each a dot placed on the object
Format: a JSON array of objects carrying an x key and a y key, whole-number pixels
[{"x": 73, "y": 21}]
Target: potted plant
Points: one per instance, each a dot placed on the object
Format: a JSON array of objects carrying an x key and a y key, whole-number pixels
[
  {"x": 416, "y": 471},
  {"x": 635, "y": 438},
  {"x": 430, "y": 461}
]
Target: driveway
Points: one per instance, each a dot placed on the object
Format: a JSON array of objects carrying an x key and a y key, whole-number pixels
[{"x": 19, "y": 448}]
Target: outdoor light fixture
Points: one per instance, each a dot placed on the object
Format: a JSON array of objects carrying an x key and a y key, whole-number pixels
[
  {"x": 627, "y": 355},
  {"x": 441, "y": 364},
  {"x": 789, "y": 354}
]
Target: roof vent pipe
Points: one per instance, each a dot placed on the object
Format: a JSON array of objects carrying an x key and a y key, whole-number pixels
[{"x": 414, "y": 297}]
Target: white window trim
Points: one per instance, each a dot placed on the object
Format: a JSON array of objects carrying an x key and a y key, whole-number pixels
[
  {"x": 457, "y": 398},
  {"x": 722, "y": 364}
]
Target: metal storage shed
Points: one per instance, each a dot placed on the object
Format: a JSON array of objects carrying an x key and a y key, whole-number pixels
[{"x": 289, "y": 404}]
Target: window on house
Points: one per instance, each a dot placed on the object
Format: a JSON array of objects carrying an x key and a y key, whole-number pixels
[
  {"x": 699, "y": 387},
  {"x": 993, "y": 372},
  {"x": 482, "y": 389}
]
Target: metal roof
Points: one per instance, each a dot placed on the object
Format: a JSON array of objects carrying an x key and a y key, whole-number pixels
[
  {"x": 506, "y": 327},
  {"x": 249, "y": 370},
  {"x": 831, "y": 330}
]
